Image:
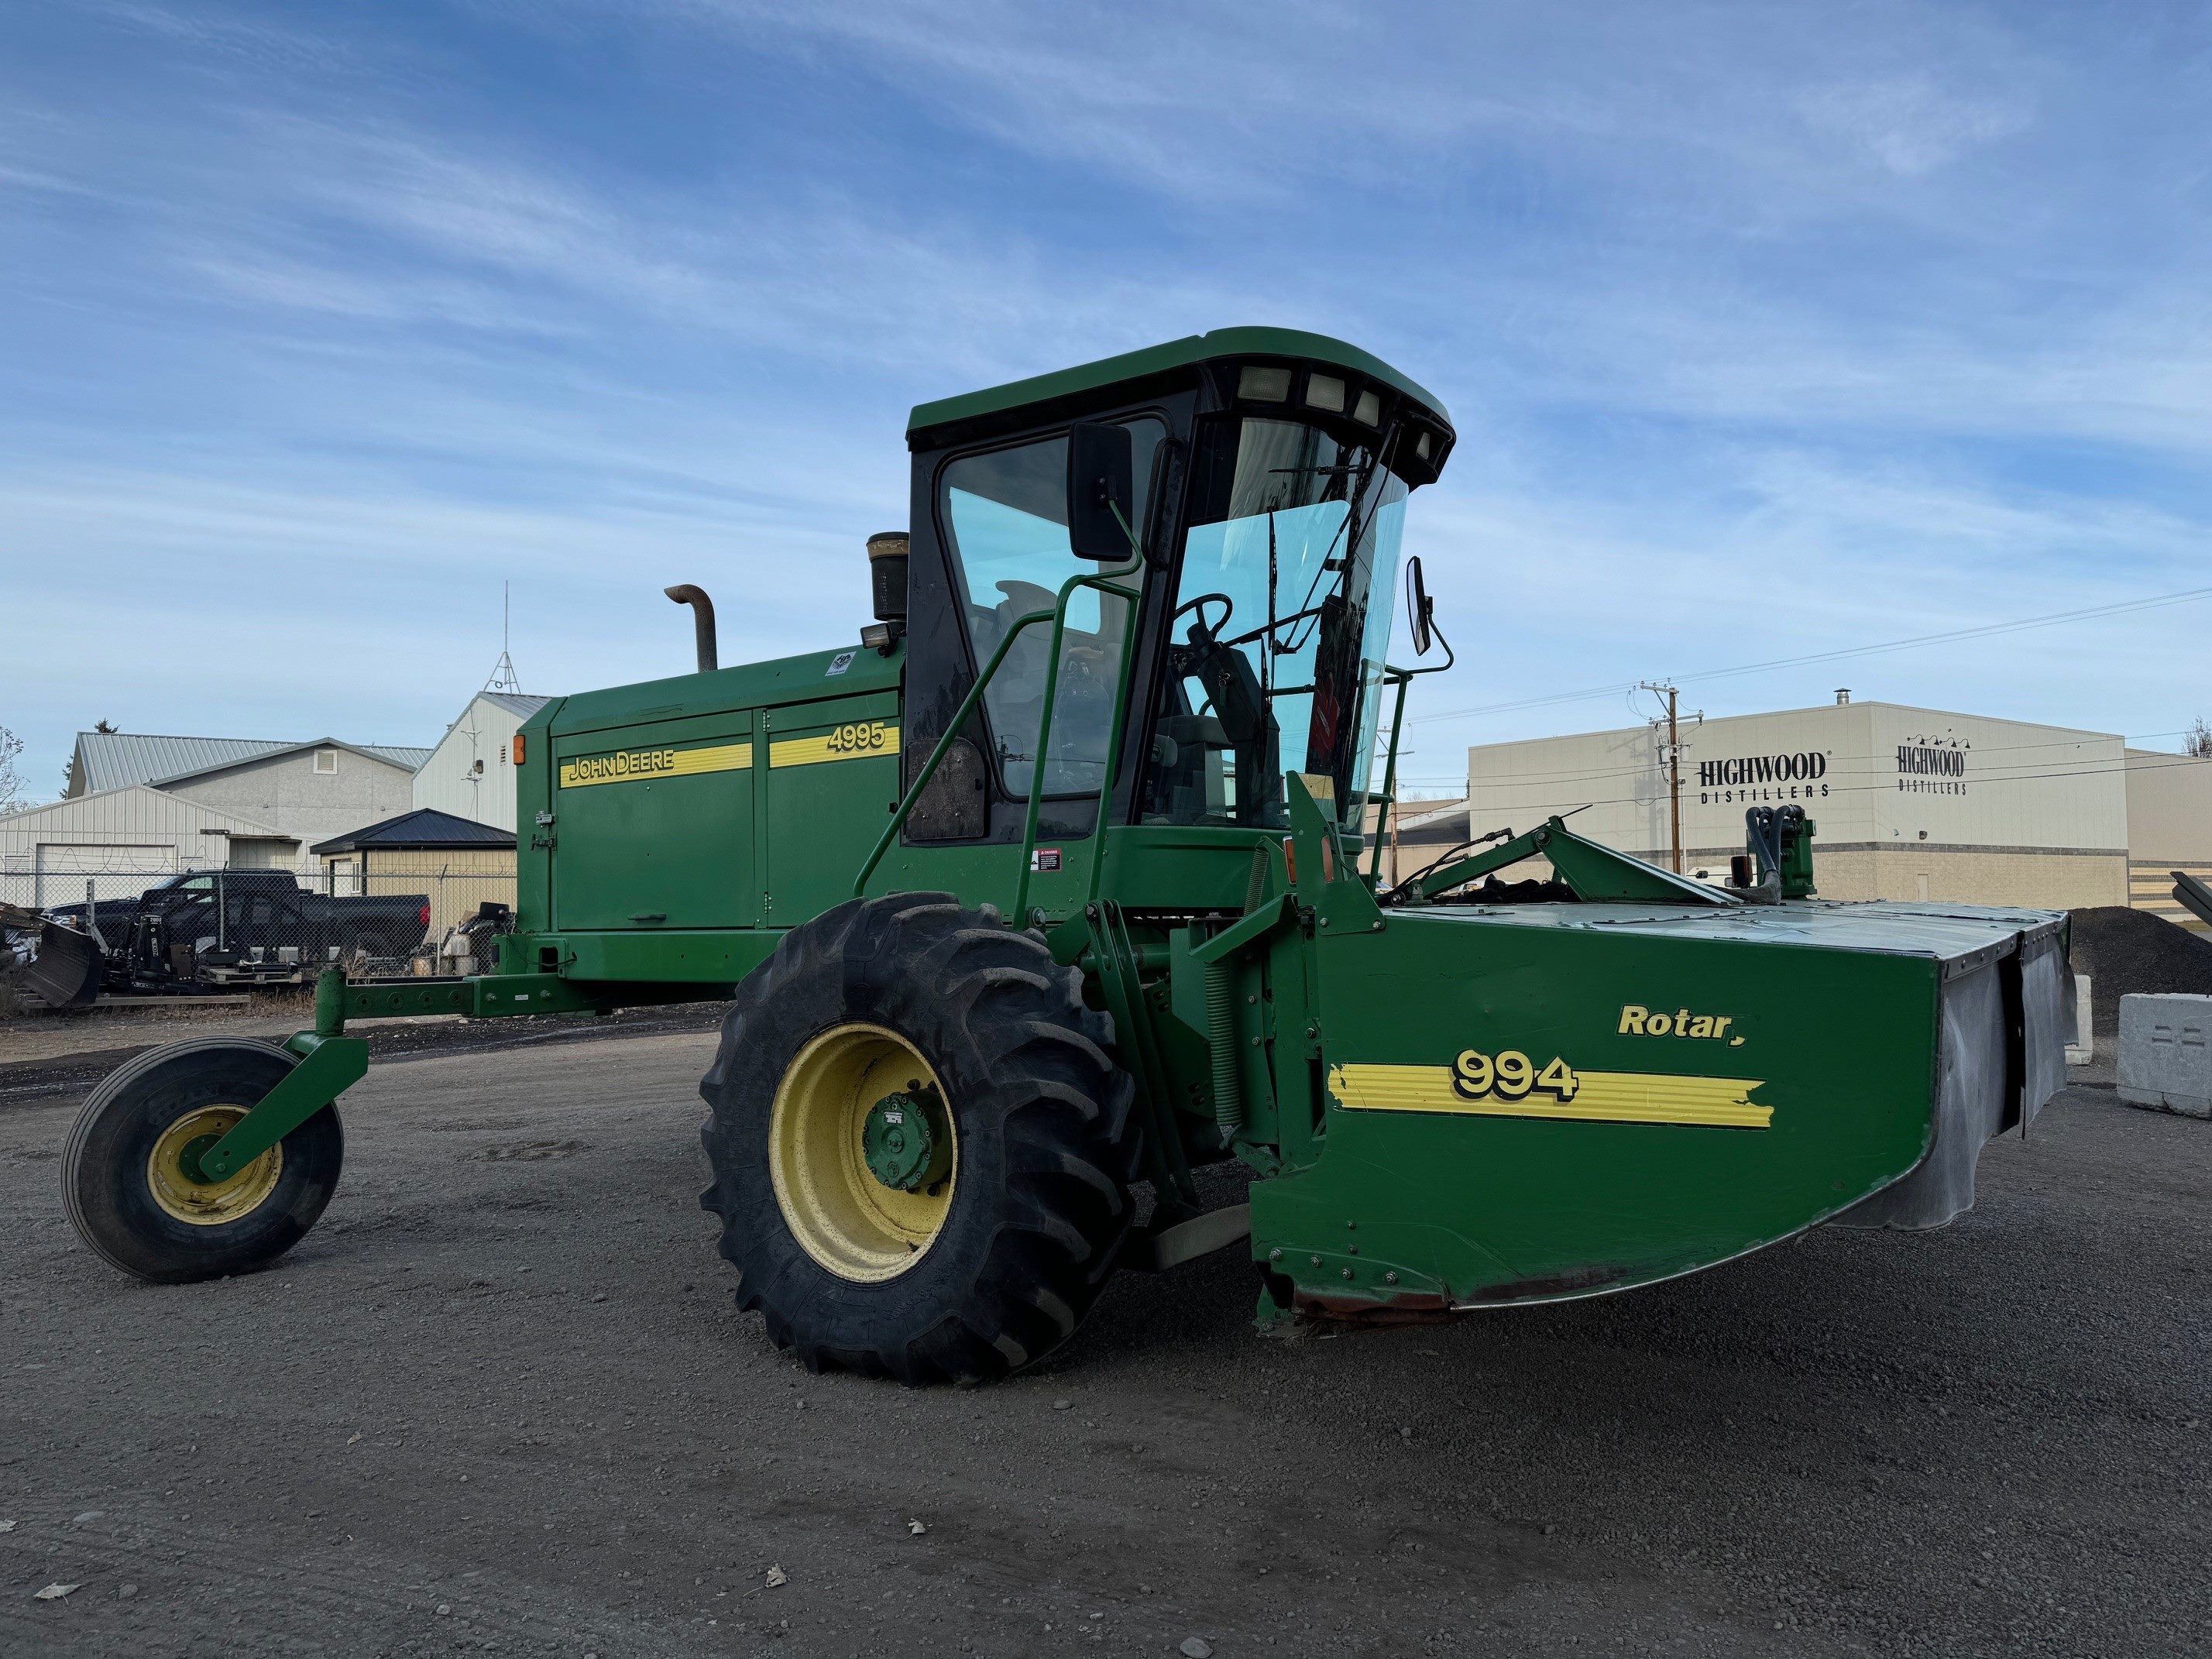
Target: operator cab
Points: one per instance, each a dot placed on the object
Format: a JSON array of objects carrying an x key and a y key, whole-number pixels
[{"x": 1268, "y": 474}]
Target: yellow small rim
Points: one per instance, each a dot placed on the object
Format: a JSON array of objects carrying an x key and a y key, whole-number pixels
[
  {"x": 202, "y": 1203},
  {"x": 840, "y": 1214}
]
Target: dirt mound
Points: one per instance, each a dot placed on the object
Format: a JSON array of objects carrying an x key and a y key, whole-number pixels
[{"x": 2125, "y": 952}]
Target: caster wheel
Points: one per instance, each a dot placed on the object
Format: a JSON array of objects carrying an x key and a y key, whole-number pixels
[{"x": 131, "y": 1173}]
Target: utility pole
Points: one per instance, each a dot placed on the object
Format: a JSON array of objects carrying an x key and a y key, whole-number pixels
[{"x": 1673, "y": 771}]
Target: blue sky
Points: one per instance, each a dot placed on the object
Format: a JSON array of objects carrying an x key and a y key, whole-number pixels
[{"x": 1767, "y": 330}]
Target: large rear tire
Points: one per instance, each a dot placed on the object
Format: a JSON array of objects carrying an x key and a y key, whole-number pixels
[
  {"x": 129, "y": 1176},
  {"x": 921, "y": 1147}
]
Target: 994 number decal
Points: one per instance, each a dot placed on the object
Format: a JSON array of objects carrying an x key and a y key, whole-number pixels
[{"x": 1511, "y": 1075}]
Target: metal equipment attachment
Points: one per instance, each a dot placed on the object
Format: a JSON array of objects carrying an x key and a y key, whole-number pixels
[
  {"x": 2192, "y": 896},
  {"x": 66, "y": 970},
  {"x": 1781, "y": 841}
]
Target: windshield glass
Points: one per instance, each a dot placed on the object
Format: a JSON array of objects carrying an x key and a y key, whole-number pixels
[{"x": 1282, "y": 616}]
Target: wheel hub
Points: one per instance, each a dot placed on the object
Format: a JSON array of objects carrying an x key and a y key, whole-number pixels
[
  {"x": 900, "y": 1142},
  {"x": 179, "y": 1183},
  {"x": 863, "y": 1152}
]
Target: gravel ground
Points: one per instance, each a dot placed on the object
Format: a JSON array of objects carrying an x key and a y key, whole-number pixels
[
  {"x": 499, "y": 1402},
  {"x": 2124, "y": 952}
]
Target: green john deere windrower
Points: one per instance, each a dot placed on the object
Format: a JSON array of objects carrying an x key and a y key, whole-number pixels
[{"x": 1064, "y": 883}]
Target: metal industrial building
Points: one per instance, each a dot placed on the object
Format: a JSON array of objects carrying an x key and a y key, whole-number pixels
[
  {"x": 1910, "y": 803},
  {"x": 470, "y": 774},
  {"x": 139, "y": 806}
]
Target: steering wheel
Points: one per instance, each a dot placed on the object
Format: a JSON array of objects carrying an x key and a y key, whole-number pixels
[{"x": 1228, "y": 608}]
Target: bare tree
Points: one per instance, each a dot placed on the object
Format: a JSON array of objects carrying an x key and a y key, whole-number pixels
[
  {"x": 11, "y": 775},
  {"x": 2198, "y": 740},
  {"x": 69, "y": 767}
]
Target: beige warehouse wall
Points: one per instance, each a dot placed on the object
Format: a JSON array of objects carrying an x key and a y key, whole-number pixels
[
  {"x": 1998, "y": 811},
  {"x": 2019, "y": 785},
  {"x": 1967, "y": 780},
  {"x": 2169, "y": 808},
  {"x": 2038, "y": 880}
]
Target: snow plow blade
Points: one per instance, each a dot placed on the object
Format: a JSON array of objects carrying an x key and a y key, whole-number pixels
[{"x": 66, "y": 971}]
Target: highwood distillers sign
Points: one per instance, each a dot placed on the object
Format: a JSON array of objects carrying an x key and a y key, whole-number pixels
[
  {"x": 1756, "y": 778},
  {"x": 1931, "y": 768},
  {"x": 1925, "y": 766}
]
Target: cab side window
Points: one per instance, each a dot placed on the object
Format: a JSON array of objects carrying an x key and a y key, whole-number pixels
[{"x": 1004, "y": 516}]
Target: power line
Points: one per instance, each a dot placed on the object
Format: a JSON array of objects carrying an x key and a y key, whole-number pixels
[{"x": 1986, "y": 630}]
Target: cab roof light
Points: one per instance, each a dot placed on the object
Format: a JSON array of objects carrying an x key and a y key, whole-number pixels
[
  {"x": 1263, "y": 383},
  {"x": 1368, "y": 411},
  {"x": 1325, "y": 392}
]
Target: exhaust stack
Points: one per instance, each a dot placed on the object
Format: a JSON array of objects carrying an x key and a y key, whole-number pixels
[{"x": 703, "y": 621}]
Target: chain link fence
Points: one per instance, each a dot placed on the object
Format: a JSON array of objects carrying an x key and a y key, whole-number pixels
[{"x": 228, "y": 929}]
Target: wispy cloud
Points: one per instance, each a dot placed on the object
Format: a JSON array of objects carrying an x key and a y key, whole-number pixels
[{"x": 1761, "y": 326}]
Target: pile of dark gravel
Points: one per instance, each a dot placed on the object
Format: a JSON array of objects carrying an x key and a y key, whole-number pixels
[{"x": 2126, "y": 952}]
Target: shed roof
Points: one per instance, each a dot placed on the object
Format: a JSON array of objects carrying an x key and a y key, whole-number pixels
[
  {"x": 116, "y": 760},
  {"x": 424, "y": 830}
]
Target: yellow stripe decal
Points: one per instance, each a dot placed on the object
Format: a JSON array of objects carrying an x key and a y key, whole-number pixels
[
  {"x": 1721, "y": 1103},
  {"x": 643, "y": 765},
  {"x": 860, "y": 741}
]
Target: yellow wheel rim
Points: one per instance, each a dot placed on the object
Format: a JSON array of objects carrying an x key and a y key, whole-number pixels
[
  {"x": 208, "y": 1203},
  {"x": 840, "y": 1214}
]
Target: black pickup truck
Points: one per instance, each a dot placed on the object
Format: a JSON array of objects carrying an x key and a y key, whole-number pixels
[{"x": 232, "y": 927}]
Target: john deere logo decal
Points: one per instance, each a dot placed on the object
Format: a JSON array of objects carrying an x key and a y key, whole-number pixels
[{"x": 638, "y": 765}]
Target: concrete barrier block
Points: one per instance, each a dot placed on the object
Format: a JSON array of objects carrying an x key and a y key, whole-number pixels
[
  {"x": 2166, "y": 1053},
  {"x": 2081, "y": 1046}
]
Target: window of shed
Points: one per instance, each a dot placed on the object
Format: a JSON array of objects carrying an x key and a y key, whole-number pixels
[{"x": 326, "y": 760}]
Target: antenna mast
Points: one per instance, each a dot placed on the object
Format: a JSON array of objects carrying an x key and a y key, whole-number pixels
[{"x": 503, "y": 675}]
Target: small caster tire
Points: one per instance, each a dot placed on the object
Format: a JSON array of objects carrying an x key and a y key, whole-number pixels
[{"x": 132, "y": 1190}]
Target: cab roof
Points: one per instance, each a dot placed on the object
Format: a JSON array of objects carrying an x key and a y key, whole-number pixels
[{"x": 1190, "y": 351}]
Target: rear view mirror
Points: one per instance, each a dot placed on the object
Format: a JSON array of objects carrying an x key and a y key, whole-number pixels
[
  {"x": 1101, "y": 492},
  {"x": 1420, "y": 608}
]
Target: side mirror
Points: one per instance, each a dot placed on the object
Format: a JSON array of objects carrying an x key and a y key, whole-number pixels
[
  {"x": 1101, "y": 484},
  {"x": 1420, "y": 608}
]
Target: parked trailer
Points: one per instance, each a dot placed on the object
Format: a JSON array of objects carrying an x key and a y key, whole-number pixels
[{"x": 1057, "y": 883}]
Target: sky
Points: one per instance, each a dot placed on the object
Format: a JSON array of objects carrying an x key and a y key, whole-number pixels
[{"x": 1767, "y": 331}]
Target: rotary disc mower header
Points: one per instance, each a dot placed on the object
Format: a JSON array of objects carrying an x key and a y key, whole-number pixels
[{"x": 1064, "y": 883}]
